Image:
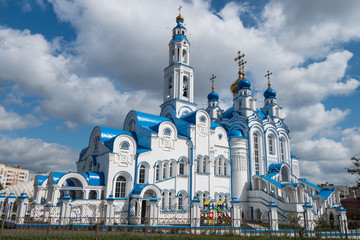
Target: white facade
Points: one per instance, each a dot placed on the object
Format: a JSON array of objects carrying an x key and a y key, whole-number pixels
[{"x": 241, "y": 155}]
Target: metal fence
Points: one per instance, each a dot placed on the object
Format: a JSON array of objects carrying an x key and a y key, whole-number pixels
[{"x": 291, "y": 228}]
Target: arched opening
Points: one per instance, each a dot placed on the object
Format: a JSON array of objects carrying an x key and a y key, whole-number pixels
[
  {"x": 92, "y": 194},
  {"x": 73, "y": 187},
  {"x": 167, "y": 132},
  {"x": 184, "y": 56},
  {"x": 124, "y": 145},
  {"x": 185, "y": 86},
  {"x": 285, "y": 174}
]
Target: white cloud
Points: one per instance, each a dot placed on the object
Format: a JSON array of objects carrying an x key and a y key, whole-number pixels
[
  {"x": 115, "y": 64},
  {"x": 36, "y": 155},
  {"x": 12, "y": 120}
]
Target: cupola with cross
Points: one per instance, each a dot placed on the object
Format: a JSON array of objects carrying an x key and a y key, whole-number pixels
[
  {"x": 179, "y": 75},
  {"x": 244, "y": 103},
  {"x": 271, "y": 107},
  {"x": 213, "y": 101}
]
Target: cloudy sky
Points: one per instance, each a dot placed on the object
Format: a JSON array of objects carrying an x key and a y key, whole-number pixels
[{"x": 67, "y": 66}]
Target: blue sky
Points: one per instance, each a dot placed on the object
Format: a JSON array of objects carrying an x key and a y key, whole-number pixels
[{"x": 67, "y": 66}]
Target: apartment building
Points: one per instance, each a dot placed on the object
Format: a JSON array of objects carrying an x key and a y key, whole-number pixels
[{"x": 11, "y": 176}]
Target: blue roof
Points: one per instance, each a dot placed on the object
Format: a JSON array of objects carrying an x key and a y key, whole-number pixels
[
  {"x": 57, "y": 176},
  {"x": 213, "y": 96},
  {"x": 310, "y": 184},
  {"x": 270, "y": 93},
  {"x": 41, "y": 179},
  {"x": 109, "y": 133},
  {"x": 291, "y": 184},
  {"x": 191, "y": 117},
  {"x": 326, "y": 192},
  {"x": 275, "y": 167},
  {"x": 215, "y": 125},
  {"x": 235, "y": 134},
  {"x": 149, "y": 121},
  {"x": 179, "y": 37},
  {"x": 292, "y": 155},
  {"x": 94, "y": 179},
  {"x": 182, "y": 127},
  {"x": 179, "y": 24},
  {"x": 138, "y": 188},
  {"x": 272, "y": 174},
  {"x": 261, "y": 114},
  {"x": 228, "y": 113}
]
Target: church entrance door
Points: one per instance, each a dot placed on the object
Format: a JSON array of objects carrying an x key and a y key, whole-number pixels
[{"x": 143, "y": 211}]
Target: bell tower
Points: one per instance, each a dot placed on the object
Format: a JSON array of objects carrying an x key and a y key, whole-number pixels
[{"x": 179, "y": 75}]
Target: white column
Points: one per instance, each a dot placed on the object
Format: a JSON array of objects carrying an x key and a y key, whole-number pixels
[
  {"x": 65, "y": 210},
  {"x": 10, "y": 205},
  {"x": 153, "y": 213},
  {"x": 236, "y": 215},
  {"x": 309, "y": 224},
  {"x": 109, "y": 210},
  {"x": 195, "y": 214},
  {"x": 343, "y": 220},
  {"x": 274, "y": 225},
  {"x": 23, "y": 201}
]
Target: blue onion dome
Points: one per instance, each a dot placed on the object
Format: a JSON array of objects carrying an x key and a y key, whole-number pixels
[
  {"x": 213, "y": 96},
  {"x": 235, "y": 134},
  {"x": 244, "y": 83},
  {"x": 270, "y": 93}
]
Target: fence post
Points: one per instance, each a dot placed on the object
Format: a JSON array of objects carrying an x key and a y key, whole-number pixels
[
  {"x": 153, "y": 212},
  {"x": 342, "y": 220},
  {"x": 109, "y": 211},
  {"x": 2, "y": 226},
  {"x": 309, "y": 226},
  {"x": 65, "y": 210},
  {"x": 21, "y": 208},
  {"x": 48, "y": 228},
  {"x": 9, "y": 205},
  {"x": 236, "y": 215},
  {"x": 274, "y": 225},
  {"x": 195, "y": 214}
]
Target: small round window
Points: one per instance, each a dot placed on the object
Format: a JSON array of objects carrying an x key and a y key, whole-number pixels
[
  {"x": 220, "y": 136},
  {"x": 124, "y": 145},
  {"x": 167, "y": 131},
  {"x": 203, "y": 119}
]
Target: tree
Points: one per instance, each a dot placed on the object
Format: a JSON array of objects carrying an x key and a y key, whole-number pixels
[
  {"x": 356, "y": 169},
  {"x": 1, "y": 187}
]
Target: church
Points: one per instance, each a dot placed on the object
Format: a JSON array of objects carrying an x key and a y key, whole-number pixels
[{"x": 237, "y": 156}]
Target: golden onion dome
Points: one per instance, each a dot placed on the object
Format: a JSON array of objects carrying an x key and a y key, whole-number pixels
[{"x": 179, "y": 18}]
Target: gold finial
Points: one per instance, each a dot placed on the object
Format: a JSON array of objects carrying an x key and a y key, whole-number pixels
[
  {"x": 241, "y": 63},
  {"x": 267, "y": 75},
  {"x": 179, "y": 18},
  {"x": 212, "y": 79}
]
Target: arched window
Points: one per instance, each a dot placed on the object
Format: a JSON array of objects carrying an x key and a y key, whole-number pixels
[
  {"x": 124, "y": 145},
  {"x": 142, "y": 173},
  {"x": 198, "y": 165},
  {"x": 157, "y": 172},
  {"x": 165, "y": 169},
  {"x": 204, "y": 165},
  {"x": 225, "y": 167},
  {"x": 120, "y": 187},
  {"x": 185, "y": 87},
  {"x": 171, "y": 200},
  {"x": 171, "y": 172},
  {"x": 163, "y": 201},
  {"x": 167, "y": 131},
  {"x": 256, "y": 154},
  {"x": 181, "y": 201},
  {"x": 170, "y": 87},
  {"x": 271, "y": 144},
  {"x": 282, "y": 149},
  {"x": 181, "y": 167}
]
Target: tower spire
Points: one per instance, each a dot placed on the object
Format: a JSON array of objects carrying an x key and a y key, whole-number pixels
[
  {"x": 241, "y": 63},
  {"x": 179, "y": 18},
  {"x": 212, "y": 79},
  {"x": 267, "y": 75}
]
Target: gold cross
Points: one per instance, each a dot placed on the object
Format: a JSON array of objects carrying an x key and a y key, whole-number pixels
[
  {"x": 212, "y": 79},
  {"x": 267, "y": 75},
  {"x": 180, "y": 9},
  {"x": 240, "y": 59}
]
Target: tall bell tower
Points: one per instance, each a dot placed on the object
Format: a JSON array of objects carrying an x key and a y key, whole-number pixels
[{"x": 179, "y": 75}]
